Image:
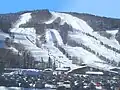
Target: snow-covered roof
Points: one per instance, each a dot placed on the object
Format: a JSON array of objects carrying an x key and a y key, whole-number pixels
[
  {"x": 80, "y": 67},
  {"x": 97, "y": 73},
  {"x": 62, "y": 69},
  {"x": 48, "y": 69}
]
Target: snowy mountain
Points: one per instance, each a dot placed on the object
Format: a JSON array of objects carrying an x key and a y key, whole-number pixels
[{"x": 69, "y": 41}]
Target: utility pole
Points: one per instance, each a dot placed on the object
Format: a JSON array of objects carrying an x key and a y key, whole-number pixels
[{"x": 49, "y": 62}]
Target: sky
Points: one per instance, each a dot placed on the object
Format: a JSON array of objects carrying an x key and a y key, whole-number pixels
[{"x": 109, "y": 8}]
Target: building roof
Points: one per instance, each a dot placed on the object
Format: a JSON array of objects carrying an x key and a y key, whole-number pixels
[
  {"x": 62, "y": 69},
  {"x": 96, "y": 73}
]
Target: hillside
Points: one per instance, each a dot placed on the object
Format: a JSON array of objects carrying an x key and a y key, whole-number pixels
[{"x": 65, "y": 39}]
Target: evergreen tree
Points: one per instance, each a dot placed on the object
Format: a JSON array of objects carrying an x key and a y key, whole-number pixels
[{"x": 49, "y": 62}]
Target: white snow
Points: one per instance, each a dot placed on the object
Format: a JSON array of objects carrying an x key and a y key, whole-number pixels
[
  {"x": 60, "y": 59},
  {"x": 49, "y": 38},
  {"x": 95, "y": 45},
  {"x": 87, "y": 57},
  {"x": 53, "y": 35},
  {"x": 83, "y": 54},
  {"x": 23, "y": 19},
  {"x": 82, "y": 26},
  {"x": 97, "y": 73},
  {"x": 111, "y": 42},
  {"x": 14, "y": 49},
  {"x": 23, "y": 33},
  {"x": 80, "y": 37},
  {"x": 113, "y": 32},
  {"x": 27, "y": 37},
  {"x": 61, "y": 69},
  {"x": 73, "y": 21}
]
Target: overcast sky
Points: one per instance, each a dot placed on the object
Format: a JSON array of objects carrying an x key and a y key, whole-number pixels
[{"x": 108, "y": 8}]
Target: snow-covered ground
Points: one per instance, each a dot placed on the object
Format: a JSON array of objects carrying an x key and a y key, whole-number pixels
[
  {"x": 23, "y": 19},
  {"x": 27, "y": 37},
  {"x": 83, "y": 54},
  {"x": 113, "y": 32},
  {"x": 111, "y": 42},
  {"x": 87, "y": 57},
  {"x": 73, "y": 21},
  {"x": 95, "y": 45},
  {"x": 80, "y": 37},
  {"x": 81, "y": 25},
  {"x": 60, "y": 59},
  {"x": 53, "y": 35}
]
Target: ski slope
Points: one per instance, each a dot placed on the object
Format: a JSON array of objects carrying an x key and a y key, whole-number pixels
[
  {"x": 82, "y": 26},
  {"x": 113, "y": 32},
  {"x": 95, "y": 45},
  {"x": 52, "y": 36},
  {"x": 27, "y": 37},
  {"x": 24, "y": 18},
  {"x": 87, "y": 57},
  {"x": 80, "y": 29},
  {"x": 60, "y": 59},
  {"x": 73, "y": 21}
]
